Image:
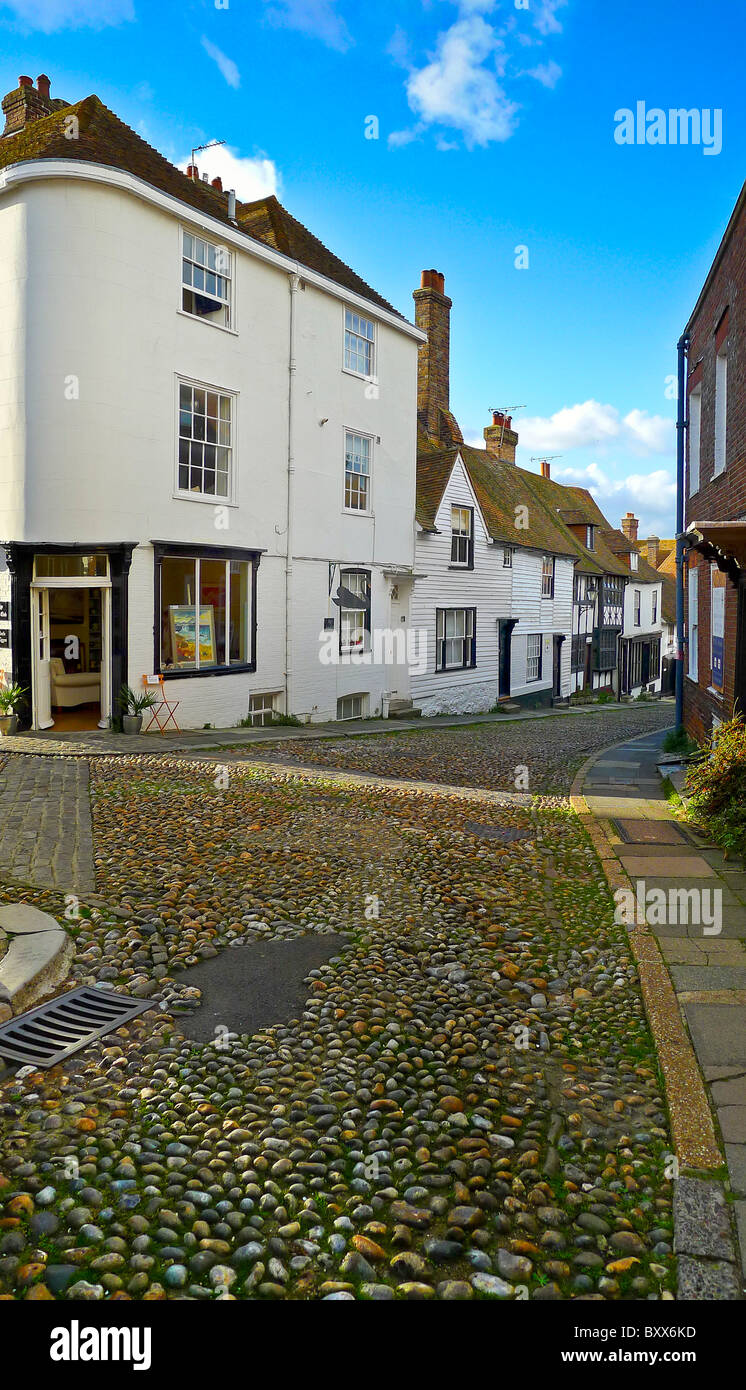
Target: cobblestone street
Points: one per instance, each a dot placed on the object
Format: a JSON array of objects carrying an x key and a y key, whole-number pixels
[
  {"x": 468, "y": 1106},
  {"x": 45, "y": 832}
]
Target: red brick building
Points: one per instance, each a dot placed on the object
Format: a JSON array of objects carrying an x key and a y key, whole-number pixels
[{"x": 715, "y": 490}]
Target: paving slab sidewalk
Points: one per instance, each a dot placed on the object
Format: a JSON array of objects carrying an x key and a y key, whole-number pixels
[{"x": 702, "y": 939}]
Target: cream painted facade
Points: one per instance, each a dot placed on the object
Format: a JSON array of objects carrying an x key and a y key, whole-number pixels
[{"x": 93, "y": 347}]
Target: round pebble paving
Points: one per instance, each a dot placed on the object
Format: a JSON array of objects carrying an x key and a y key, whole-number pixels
[{"x": 469, "y": 1106}]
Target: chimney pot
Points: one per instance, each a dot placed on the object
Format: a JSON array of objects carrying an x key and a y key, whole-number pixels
[
  {"x": 42, "y": 86},
  {"x": 192, "y": 171},
  {"x": 546, "y": 471},
  {"x": 25, "y": 82},
  {"x": 218, "y": 183}
]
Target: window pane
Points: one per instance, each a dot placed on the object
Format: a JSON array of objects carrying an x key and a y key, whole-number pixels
[
  {"x": 239, "y": 613},
  {"x": 212, "y": 613},
  {"x": 178, "y": 613},
  {"x": 71, "y": 566}
]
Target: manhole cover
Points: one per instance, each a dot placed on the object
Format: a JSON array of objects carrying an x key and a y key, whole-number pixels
[
  {"x": 505, "y": 834},
  {"x": 52, "y": 1031}
]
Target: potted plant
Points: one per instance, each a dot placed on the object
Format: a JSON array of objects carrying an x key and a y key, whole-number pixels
[
  {"x": 133, "y": 707},
  {"x": 11, "y": 696}
]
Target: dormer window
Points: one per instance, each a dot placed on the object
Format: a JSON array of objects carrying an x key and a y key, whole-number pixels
[
  {"x": 590, "y": 542},
  {"x": 206, "y": 283}
]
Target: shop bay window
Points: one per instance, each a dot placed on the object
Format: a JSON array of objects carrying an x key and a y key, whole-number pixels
[
  {"x": 206, "y": 423},
  {"x": 205, "y": 606}
]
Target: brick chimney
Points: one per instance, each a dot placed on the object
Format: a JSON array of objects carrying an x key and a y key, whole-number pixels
[
  {"x": 630, "y": 524},
  {"x": 433, "y": 316},
  {"x": 28, "y": 103},
  {"x": 218, "y": 183},
  {"x": 653, "y": 547},
  {"x": 500, "y": 440}
]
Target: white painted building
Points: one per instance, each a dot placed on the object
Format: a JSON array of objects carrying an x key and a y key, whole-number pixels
[{"x": 207, "y": 440}]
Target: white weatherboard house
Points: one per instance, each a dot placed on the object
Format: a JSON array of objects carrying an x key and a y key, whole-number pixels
[
  {"x": 494, "y": 592},
  {"x": 207, "y": 441}
]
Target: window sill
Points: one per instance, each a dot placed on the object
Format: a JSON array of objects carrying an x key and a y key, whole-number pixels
[
  {"x": 469, "y": 569},
  {"x": 357, "y": 376},
  {"x": 716, "y": 694},
  {"x": 353, "y": 511},
  {"x": 446, "y": 670},
  {"x": 205, "y": 498},
  {"x": 197, "y": 318},
  {"x": 185, "y": 675}
]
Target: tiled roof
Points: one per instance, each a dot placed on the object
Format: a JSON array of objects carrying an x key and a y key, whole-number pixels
[
  {"x": 559, "y": 499},
  {"x": 102, "y": 138},
  {"x": 433, "y": 471},
  {"x": 668, "y": 598},
  {"x": 619, "y": 544},
  {"x": 669, "y": 564}
]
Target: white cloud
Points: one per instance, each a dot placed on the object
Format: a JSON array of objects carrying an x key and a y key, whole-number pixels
[
  {"x": 251, "y": 177},
  {"x": 51, "y": 15},
  {"x": 226, "y": 65},
  {"x": 399, "y": 138},
  {"x": 590, "y": 423},
  {"x": 548, "y": 74},
  {"x": 459, "y": 89},
  {"x": 318, "y": 18},
  {"x": 545, "y": 18},
  {"x": 651, "y": 496}
]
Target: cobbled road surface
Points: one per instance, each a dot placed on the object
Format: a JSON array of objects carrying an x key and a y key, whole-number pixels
[{"x": 468, "y": 1106}]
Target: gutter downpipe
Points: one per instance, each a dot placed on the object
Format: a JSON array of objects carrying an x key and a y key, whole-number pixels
[
  {"x": 294, "y": 284},
  {"x": 682, "y": 425}
]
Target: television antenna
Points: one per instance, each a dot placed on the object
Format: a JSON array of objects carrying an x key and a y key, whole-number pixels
[
  {"x": 506, "y": 411},
  {"x": 211, "y": 145}
]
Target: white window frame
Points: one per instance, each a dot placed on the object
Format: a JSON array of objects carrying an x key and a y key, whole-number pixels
[
  {"x": 534, "y": 654},
  {"x": 637, "y": 607},
  {"x": 721, "y": 411},
  {"x": 508, "y": 557},
  {"x": 547, "y": 576},
  {"x": 186, "y": 494},
  {"x": 590, "y": 543},
  {"x": 655, "y": 605},
  {"x": 228, "y": 304},
  {"x": 343, "y": 700},
  {"x": 363, "y": 320},
  {"x": 270, "y": 706},
  {"x": 464, "y": 621},
  {"x": 693, "y": 625},
  {"x": 370, "y": 439},
  {"x": 354, "y": 623},
  {"x": 634, "y": 560},
  {"x": 695, "y": 436},
  {"x": 459, "y": 535}
]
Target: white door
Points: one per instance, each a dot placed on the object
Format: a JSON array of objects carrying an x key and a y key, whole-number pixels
[
  {"x": 398, "y": 673},
  {"x": 105, "y": 711},
  {"x": 41, "y": 671}
]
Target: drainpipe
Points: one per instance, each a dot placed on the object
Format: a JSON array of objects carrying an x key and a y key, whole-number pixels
[
  {"x": 292, "y": 372},
  {"x": 681, "y": 428}
]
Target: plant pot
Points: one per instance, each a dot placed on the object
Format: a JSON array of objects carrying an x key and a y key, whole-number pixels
[
  {"x": 8, "y": 725},
  {"x": 131, "y": 723}
]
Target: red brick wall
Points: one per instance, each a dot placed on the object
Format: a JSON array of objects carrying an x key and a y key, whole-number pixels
[{"x": 721, "y": 317}]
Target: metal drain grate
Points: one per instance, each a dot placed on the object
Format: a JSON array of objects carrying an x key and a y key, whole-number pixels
[
  {"x": 52, "y": 1031},
  {"x": 506, "y": 834}
]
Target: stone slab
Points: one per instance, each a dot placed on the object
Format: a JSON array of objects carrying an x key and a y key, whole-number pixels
[
  {"x": 709, "y": 977},
  {"x": 701, "y": 1220},
  {"x": 663, "y": 866},
  {"x": 736, "y": 1158},
  {"x": 20, "y": 917},
  {"x": 733, "y": 1123},
  {"x": 707, "y": 1280},
  {"x": 740, "y": 1214},
  {"x": 718, "y": 1032},
  {"x": 29, "y": 956},
  {"x": 647, "y": 832},
  {"x": 730, "y": 1091}
]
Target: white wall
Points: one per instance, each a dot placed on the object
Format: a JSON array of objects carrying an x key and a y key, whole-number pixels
[
  {"x": 646, "y": 625},
  {"x": 88, "y": 431}
]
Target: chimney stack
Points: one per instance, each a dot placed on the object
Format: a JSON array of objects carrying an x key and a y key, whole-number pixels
[
  {"x": 546, "y": 471},
  {"x": 28, "y": 103},
  {"x": 500, "y": 440},
  {"x": 653, "y": 546},
  {"x": 192, "y": 172},
  {"x": 218, "y": 183},
  {"x": 630, "y": 524},
  {"x": 433, "y": 316}
]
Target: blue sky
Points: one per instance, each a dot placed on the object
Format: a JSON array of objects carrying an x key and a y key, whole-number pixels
[{"x": 496, "y": 131}]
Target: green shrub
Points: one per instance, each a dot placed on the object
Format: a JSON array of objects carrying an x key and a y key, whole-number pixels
[
  {"x": 678, "y": 741},
  {"x": 716, "y": 786}
]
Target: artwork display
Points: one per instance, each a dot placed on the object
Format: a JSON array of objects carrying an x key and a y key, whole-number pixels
[{"x": 183, "y": 621}]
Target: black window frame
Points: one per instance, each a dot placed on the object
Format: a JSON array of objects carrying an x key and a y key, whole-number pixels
[
  {"x": 366, "y": 608},
  {"x": 183, "y": 551}
]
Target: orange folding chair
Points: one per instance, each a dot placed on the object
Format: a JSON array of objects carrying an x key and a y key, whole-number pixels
[{"x": 163, "y": 711}]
